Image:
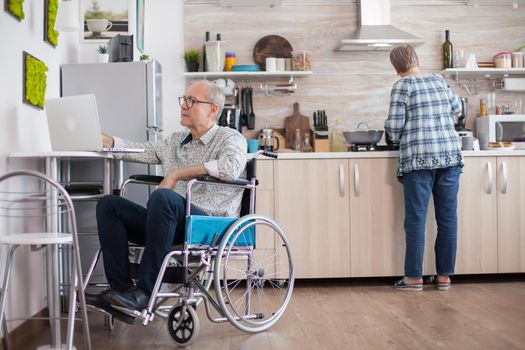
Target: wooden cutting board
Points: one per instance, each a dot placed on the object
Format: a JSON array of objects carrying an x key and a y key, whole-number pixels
[
  {"x": 271, "y": 46},
  {"x": 293, "y": 122}
]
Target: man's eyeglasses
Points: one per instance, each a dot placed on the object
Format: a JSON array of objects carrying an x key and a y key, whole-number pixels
[{"x": 190, "y": 101}]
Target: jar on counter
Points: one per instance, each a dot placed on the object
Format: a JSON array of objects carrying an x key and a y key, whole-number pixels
[
  {"x": 499, "y": 111},
  {"x": 302, "y": 60},
  {"x": 229, "y": 62},
  {"x": 503, "y": 60},
  {"x": 517, "y": 59}
]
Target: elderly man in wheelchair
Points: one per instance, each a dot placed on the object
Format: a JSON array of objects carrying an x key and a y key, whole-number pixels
[{"x": 192, "y": 234}]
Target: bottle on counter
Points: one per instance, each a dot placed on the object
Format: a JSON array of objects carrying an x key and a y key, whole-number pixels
[
  {"x": 307, "y": 147},
  {"x": 297, "y": 144},
  {"x": 204, "y": 63},
  {"x": 482, "y": 107},
  {"x": 448, "y": 61},
  {"x": 337, "y": 138}
]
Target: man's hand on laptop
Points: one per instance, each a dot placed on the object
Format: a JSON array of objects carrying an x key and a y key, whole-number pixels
[{"x": 107, "y": 141}]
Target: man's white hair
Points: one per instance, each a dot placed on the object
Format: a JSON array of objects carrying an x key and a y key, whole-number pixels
[{"x": 215, "y": 95}]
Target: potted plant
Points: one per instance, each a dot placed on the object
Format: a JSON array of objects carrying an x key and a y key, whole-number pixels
[
  {"x": 145, "y": 57},
  {"x": 191, "y": 56},
  {"x": 103, "y": 56}
]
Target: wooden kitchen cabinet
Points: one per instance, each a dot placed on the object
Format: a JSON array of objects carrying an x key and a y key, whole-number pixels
[
  {"x": 312, "y": 206},
  {"x": 511, "y": 214},
  {"x": 377, "y": 243},
  {"x": 377, "y": 239},
  {"x": 477, "y": 217}
]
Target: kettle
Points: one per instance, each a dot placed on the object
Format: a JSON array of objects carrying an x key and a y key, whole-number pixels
[{"x": 267, "y": 140}]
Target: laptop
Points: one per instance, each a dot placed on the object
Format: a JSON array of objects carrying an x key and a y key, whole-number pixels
[{"x": 74, "y": 125}]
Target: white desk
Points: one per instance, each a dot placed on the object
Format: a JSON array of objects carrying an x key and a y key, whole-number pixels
[{"x": 52, "y": 169}]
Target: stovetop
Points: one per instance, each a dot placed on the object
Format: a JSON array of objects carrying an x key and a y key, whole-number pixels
[{"x": 373, "y": 148}]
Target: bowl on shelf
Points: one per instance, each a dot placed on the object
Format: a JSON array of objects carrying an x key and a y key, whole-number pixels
[{"x": 246, "y": 68}]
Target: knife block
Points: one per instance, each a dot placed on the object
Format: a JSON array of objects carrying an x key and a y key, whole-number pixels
[{"x": 320, "y": 142}]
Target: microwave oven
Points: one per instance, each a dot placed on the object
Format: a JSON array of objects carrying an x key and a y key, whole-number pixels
[{"x": 501, "y": 128}]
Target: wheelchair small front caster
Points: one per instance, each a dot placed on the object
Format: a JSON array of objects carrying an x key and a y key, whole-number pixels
[
  {"x": 109, "y": 322},
  {"x": 183, "y": 325}
]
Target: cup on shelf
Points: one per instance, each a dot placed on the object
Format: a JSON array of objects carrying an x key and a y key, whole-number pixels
[
  {"x": 288, "y": 64},
  {"x": 271, "y": 64},
  {"x": 459, "y": 58},
  {"x": 281, "y": 65}
]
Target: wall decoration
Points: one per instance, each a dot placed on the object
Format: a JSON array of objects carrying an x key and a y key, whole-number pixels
[
  {"x": 50, "y": 16},
  {"x": 140, "y": 25},
  {"x": 104, "y": 19},
  {"x": 15, "y": 8},
  {"x": 34, "y": 84}
]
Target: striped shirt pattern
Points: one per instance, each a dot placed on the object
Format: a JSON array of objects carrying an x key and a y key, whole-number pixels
[
  {"x": 222, "y": 151},
  {"x": 421, "y": 118}
]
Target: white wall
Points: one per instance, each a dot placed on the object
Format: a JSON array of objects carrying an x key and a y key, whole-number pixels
[{"x": 23, "y": 128}]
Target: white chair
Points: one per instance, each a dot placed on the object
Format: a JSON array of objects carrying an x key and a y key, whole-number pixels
[{"x": 21, "y": 209}]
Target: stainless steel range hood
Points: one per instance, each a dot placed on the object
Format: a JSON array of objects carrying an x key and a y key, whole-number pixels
[{"x": 374, "y": 32}]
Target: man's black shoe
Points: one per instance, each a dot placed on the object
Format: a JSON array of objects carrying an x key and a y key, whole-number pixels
[
  {"x": 97, "y": 300},
  {"x": 134, "y": 299}
]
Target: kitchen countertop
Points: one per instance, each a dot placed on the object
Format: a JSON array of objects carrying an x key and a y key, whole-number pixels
[{"x": 387, "y": 154}]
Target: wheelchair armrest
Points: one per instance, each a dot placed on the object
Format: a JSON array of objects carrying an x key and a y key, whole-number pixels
[
  {"x": 153, "y": 179},
  {"x": 211, "y": 179}
]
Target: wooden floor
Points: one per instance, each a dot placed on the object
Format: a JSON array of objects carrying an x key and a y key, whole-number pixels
[{"x": 476, "y": 313}]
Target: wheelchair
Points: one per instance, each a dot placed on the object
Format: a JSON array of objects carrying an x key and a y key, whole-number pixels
[{"x": 248, "y": 261}]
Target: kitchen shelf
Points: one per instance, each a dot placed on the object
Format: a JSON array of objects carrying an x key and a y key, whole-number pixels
[
  {"x": 469, "y": 79},
  {"x": 487, "y": 73},
  {"x": 247, "y": 75}
]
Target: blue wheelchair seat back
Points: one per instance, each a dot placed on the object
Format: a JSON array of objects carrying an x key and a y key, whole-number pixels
[{"x": 201, "y": 229}]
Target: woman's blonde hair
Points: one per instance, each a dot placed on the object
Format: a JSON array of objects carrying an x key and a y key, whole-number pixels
[{"x": 403, "y": 58}]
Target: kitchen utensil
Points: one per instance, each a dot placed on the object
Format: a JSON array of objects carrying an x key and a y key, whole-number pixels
[
  {"x": 271, "y": 46},
  {"x": 293, "y": 122},
  {"x": 244, "y": 116},
  {"x": 268, "y": 141},
  {"x": 363, "y": 136},
  {"x": 251, "y": 115}
]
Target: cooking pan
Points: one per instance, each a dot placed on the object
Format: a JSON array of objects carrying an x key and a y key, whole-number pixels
[{"x": 361, "y": 136}]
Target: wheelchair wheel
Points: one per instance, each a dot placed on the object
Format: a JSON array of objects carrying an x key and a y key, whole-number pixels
[
  {"x": 254, "y": 286},
  {"x": 205, "y": 278},
  {"x": 183, "y": 325}
]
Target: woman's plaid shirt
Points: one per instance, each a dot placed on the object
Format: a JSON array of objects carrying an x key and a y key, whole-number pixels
[{"x": 421, "y": 118}]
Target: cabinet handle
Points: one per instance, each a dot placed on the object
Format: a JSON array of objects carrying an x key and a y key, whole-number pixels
[
  {"x": 505, "y": 180},
  {"x": 356, "y": 179},
  {"x": 341, "y": 180},
  {"x": 490, "y": 176}
]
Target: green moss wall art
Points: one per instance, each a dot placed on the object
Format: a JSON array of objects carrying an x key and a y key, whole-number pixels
[
  {"x": 50, "y": 11},
  {"x": 34, "y": 81},
  {"x": 15, "y": 8}
]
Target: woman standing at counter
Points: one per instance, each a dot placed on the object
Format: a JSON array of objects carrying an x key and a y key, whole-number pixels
[{"x": 422, "y": 108}]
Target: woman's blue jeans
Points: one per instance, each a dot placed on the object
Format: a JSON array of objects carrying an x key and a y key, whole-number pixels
[{"x": 418, "y": 185}]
